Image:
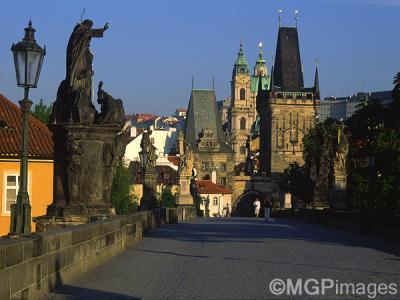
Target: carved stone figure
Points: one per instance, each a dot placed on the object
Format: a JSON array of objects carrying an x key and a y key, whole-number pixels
[
  {"x": 148, "y": 147},
  {"x": 186, "y": 162},
  {"x": 342, "y": 150},
  {"x": 73, "y": 104},
  {"x": 112, "y": 110}
]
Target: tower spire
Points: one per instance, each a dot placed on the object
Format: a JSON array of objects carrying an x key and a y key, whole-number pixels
[
  {"x": 316, "y": 80},
  {"x": 280, "y": 17},
  {"x": 192, "y": 82},
  {"x": 241, "y": 66}
]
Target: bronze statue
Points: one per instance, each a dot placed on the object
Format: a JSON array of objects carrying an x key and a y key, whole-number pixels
[{"x": 73, "y": 104}]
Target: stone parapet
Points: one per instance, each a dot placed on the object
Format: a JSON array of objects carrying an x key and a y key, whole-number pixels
[{"x": 31, "y": 267}]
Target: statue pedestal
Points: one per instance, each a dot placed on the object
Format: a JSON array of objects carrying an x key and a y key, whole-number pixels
[
  {"x": 288, "y": 201},
  {"x": 85, "y": 157},
  {"x": 184, "y": 195},
  {"x": 149, "y": 199},
  {"x": 339, "y": 196}
]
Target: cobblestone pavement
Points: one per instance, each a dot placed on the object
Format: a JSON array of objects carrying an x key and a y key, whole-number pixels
[{"x": 236, "y": 258}]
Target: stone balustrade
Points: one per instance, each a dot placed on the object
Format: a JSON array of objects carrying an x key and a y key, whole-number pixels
[{"x": 31, "y": 267}]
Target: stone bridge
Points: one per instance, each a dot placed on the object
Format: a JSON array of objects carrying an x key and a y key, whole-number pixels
[{"x": 220, "y": 258}]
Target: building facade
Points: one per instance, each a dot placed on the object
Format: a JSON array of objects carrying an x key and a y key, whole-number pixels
[
  {"x": 40, "y": 164},
  {"x": 342, "y": 108}
]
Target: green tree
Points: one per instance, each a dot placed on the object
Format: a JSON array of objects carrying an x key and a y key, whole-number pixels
[
  {"x": 297, "y": 182},
  {"x": 42, "y": 111},
  {"x": 122, "y": 198},
  {"x": 167, "y": 198},
  {"x": 364, "y": 175}
]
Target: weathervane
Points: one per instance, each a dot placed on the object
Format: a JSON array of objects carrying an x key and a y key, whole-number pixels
[
  {"x": 280, "y": 16},
  {"x": 296, "y": 16}
]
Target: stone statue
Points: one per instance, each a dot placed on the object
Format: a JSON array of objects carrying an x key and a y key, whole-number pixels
[
  {"x": 88, "y": 145},
  {"x": 186, "y": 162},
  {"x": 112, "y": 110},
  {"x": 148, "y": 147},
  {"x": 73, "y": 104},
  {"x": 342, "y": 150}
]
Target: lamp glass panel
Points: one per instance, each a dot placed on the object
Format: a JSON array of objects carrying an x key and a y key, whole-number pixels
[
  {"x": 32, "y": 68},
  {"x": 19, "y": 58}
]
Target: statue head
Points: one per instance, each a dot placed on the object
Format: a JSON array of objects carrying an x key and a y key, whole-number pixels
[{"x": 87, "y": 23}]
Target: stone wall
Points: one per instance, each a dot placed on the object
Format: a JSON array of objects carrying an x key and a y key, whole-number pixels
[
  {"x": 31, "y": 267},
  {"x": 382, "y": 225}
]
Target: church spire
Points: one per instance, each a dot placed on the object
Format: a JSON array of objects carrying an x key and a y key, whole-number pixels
[
  {"x": 316, "y": 82},
  {"x": 241, "y": 66},
  {"x": 260, "y": 67}
]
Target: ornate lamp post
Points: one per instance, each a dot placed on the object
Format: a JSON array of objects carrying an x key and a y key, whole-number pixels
[
  {"x": 143, "y": 156},
  {"x": 28, "y": 59}
]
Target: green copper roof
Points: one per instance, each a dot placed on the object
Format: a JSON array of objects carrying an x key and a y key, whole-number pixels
[
  {"x": 241, "y": 66},
  {"x": 254, "y": 83},
  {"x": 260, "y": 59},
  {"x": 241, "y": 60}
]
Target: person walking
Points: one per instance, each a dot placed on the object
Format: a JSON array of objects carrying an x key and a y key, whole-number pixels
[
  {"x": 257, "y": 205},
  {"x": 267, "y": 208}
]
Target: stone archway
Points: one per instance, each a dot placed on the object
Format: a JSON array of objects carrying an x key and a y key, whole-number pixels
[{"x": 244, "y": 207}]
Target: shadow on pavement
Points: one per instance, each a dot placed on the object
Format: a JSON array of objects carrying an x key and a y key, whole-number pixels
[
  {"x": 251, "y": 230},
  {"x": 68, "y": 292}
]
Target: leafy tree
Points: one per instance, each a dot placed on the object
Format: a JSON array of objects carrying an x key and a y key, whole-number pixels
[
  {"x": 297, "y": 182},
  {"x": 122, "y": 198},
  {"x": 42, "y": 111},
  {"x": 167, "y": 198}
]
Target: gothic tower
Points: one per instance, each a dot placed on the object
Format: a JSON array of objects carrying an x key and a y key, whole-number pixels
[{"x": 289, "y": 109}]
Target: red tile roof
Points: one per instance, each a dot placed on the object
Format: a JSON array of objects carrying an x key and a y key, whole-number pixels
[
  {"x": 40, "y": 137},
  {"x": 174, "y": 159},
  {"x": 208, "y": 187}
]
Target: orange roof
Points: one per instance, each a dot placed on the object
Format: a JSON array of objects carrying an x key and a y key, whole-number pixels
[
  {"x": 208, "y": 187},
  {"x": 40, "y": 137},
  {"x": 174, "y": 159}
]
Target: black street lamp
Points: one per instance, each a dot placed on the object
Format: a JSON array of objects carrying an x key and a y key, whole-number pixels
[
  {"x": 28, "y": 59},
  {"x": 144, "y": 157}
]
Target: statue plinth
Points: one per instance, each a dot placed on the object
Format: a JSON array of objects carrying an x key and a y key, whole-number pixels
[
  {"x": 339, "y": 193},
  {"x": 184, "y": 194},
  {"x": 149, "y": 200},
  {"x": 85, "y": 157}
]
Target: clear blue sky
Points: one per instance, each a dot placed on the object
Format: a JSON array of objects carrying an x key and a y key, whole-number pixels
[{"x": 152, "y": 48}]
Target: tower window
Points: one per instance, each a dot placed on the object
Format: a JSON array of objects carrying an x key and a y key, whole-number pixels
[
  {"x": 242, "y": 94},
  {"x": 243, "y": 150},
  {"x": 242, "y": 123}
]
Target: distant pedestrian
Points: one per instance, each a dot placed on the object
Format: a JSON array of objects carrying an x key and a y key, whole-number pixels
[
  {"x": 267, "y": 208},
  {"x": 227, "y": 210},
  {"x": 257, "y": 205}
]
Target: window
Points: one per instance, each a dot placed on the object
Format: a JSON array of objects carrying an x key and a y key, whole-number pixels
[
  {"x": 11, "y": 191},
  {"x": 243, "y": 150},
  {"x": 223, "y": 180},
  {"x": 242, "y": 94},
  {"x": 223, "y": 167},
  {"x": 215, "y": 201},
  {"x": 152, "y": 140},
  {"x": 242, "y": 123}
]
